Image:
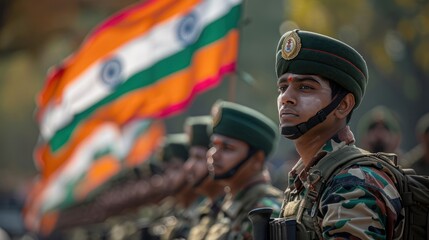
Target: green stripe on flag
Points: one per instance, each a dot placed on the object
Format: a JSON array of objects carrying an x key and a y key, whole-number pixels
[{"x": 212, "y": 33}]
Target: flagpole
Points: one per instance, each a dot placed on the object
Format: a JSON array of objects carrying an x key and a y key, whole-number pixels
[
  {"x": 232, "y": 84},
  {"x": 232, "y": 87}
]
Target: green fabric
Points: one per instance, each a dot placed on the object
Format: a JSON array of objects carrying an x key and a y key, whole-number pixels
[
  {"x": 245, "y": 124},
  {"x": 174, "y": 146},
  {"x": 324, "y": 56},
  {"x": 414, "y": 189},
  {"x": 199, "y": 130}
]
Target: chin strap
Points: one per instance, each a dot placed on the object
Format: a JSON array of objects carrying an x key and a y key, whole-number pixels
[
  {"x": 234, "y": 170},
  {"x": 297, "y": 131}
]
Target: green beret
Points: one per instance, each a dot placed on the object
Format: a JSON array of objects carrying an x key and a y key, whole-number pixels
[
  {"x": 302, "y": 52},
  {"x": 423, "y": 124},
  {"x": 174, "y": 146},
  {"x": 245, "y": 124},
  {"x": 199, "y": 130},
  {"x": 382, "y": 115}
]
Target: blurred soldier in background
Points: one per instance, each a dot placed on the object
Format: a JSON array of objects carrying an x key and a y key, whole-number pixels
[
  {"x": 379, "y": 131},
  {"x": 177, "y": 211},
  {"x": 242, "y": 140},
  {"x": 418, "y": 157},
  {"x": 199, "y": 130}
]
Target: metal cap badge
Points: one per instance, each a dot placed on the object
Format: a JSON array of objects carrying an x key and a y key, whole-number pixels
[{"x": 291, "y": 45}]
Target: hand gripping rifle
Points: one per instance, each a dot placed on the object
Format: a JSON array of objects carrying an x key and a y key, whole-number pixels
[{"x": 266, "y": 228}]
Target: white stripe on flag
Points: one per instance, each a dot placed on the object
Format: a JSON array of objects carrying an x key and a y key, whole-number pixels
[
  {"x": 106, "y": 136},
  {"x": 137, "y": 55}
]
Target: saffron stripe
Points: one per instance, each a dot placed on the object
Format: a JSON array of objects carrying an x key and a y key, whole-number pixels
[
  {"x": 77, "y": 97},
  {"x": 100, "y": 45},
  {"x": 147, "y": 77},
  {"x": 132, "y": 103}
]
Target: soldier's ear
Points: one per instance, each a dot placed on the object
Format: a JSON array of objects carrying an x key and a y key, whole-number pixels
[
  {"x": 345, "y": 107},
  {"x": 259, "y": 157}
]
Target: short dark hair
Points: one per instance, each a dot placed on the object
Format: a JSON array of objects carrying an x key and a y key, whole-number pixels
[{"x": 335, "y": 90}]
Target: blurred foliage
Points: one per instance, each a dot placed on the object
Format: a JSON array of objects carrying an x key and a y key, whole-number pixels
[{"x": 392, "y": 36}]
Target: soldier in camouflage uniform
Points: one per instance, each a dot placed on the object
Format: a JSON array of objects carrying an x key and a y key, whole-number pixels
[
  {"x": 321, "y": 81},
  {"x": 180, "y": 206},
  {"x": 199, "y": 131},
  {"x": 241, "y": 141}
]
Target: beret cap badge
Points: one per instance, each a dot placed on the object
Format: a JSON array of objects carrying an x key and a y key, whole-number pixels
[{"x": 291, "y": 45}]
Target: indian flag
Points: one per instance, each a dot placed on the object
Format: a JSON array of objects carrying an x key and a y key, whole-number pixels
[
  {"x": 148, "y": 61},
  {"x": 99, "y": 158},
  {"x": 97, "y": 111}
]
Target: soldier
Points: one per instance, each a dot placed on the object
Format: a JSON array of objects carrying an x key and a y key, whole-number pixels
[
  {"x": 165, "y": 220},
  {"x": 321, "y": 81},
  {"x": 242, "y": 140},
  {"x": 199, "y": 131},
  {"x": 418, "y": 157},
  {"x": 379, "y": 131}
]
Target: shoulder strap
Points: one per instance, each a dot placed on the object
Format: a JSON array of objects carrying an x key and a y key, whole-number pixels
[
  {"x": 327, "y": 167},
  {"x": 337, "y": 160},
  {"x": 346, "y": 157}
]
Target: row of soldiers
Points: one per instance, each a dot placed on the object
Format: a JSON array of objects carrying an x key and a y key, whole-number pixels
[
  {"x": 202, "y": 184},
  {"x": 184, "y": 198}
]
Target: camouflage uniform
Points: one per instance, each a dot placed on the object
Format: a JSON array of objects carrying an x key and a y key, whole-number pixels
[
  {"x": 208, "y": 212},
  {"x": 181, "y": 221},
  {"x": 232, "y": 221},
  {"x": 360, "y": 202}
]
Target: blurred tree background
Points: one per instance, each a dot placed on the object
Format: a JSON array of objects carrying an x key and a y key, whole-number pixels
[{"x": 393, "y": 36}]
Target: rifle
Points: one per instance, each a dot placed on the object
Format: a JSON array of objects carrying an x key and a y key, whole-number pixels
[{"x": 266, "y": 228}]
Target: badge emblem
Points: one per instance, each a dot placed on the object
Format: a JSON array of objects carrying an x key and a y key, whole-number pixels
[
  {"x": 111, "y": 72},
  {"x": 291, "y": 45},
  {"x": 189, "y": 29}
]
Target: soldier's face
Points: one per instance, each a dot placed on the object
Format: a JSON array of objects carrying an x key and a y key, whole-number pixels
[
  {"x": 196, "y": 165},
  {"x": 380, "y": 139},
  {"x": 301, "y": 97},
  {"x": 225, "y": 153}
]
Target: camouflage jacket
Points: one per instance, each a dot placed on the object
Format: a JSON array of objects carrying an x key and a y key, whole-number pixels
[
  {"x": 207, "y": 212},
  {"x": 179, "y": 223},
  {"x": 232, "y": 222},
  {"x": 359, "y": 202}
]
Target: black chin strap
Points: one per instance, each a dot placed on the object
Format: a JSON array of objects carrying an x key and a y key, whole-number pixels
[
  {"x": 233, "y": 170},
  {"x": 297, "y": 131}
]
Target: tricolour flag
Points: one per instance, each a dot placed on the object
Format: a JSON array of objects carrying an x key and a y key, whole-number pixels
[
  {"x": 107, "y": 151},
  {"x": 150, "y": 60},
  {"x": 144, "y": 63}
]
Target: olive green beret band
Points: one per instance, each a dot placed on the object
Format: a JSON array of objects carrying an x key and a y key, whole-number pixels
[
  {"x": 199, "y": 130},
  {"x": 174, "y": 146},
  {"x": 245, "y": 124}
]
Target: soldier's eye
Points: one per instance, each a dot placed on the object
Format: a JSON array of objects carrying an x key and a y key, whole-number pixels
[
  {"x": 282, "y": 89},
  {"x": 305, "y": 87}
]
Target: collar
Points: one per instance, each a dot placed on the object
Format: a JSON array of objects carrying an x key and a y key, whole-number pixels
[{"x": 298, "y": 175}]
